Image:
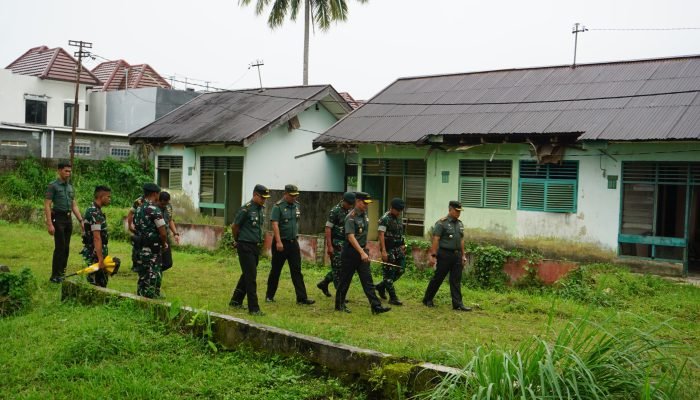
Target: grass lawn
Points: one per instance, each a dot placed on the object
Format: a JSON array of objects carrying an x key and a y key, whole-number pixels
[
  {"x": 67, "y": 351},
  {"x": 438, "y": 335}
]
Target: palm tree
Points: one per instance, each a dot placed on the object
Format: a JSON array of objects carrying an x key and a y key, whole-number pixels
[{"x": 324, "y": 13}]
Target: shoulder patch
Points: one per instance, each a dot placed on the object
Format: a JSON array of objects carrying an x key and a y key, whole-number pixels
[
  {"x": 279, "y": 201},
  {"x": 443, "y": 219}
]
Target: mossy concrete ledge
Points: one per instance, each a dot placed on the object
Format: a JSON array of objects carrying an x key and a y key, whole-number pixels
[{"x": 386, "y": 374}]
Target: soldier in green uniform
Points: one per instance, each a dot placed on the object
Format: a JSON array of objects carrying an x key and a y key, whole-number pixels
[
  {"x": 247, "y": 230},
  {"x": 59, "y": 202},
  {"x": 167, "y": 209},
  {"x": 355, "y": 258},
  {"x": 285, "y": 246},
  {"x": 393, "y": 249},
  {"x": 152, "y": 240},
  {"x": 448, "y": 253},
  {"x": 130, "y": 223},
  {"x": 95, "y": 236},
  {"x": 335, "y": 238}
]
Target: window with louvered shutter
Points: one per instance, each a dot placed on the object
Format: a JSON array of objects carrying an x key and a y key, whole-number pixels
[
  {"x": 548, "y": 187},
  {"x": 170, "y": 172},
  {"x": 485, "y": 184}
]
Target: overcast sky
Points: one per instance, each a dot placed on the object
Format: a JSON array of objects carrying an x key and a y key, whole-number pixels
[{"x": 215, "y": 40}]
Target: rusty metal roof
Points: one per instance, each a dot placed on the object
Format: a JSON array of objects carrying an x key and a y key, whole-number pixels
[
  {"x": 238, "y": 117},
  {"x": 411, "y": 109},
  {"x": 55, "y": 64}
]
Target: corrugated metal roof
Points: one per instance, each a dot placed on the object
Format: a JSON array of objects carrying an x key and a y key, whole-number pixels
[
  {"x": 410, "y": 109},
  {"x": 237, "y": 116},
  {"x": 55, "y": 64}
]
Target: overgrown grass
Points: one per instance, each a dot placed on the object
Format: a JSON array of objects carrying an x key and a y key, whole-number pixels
[
  {"x": 584, "y": 361},
  {"x": 67, "y": 351},
  {"x": 506, "y": 319}
]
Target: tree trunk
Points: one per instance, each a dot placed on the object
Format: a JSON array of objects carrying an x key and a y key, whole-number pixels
[{"x": 307, "y": 26}]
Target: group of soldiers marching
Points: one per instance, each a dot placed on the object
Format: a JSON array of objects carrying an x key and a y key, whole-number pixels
[
  {"x": 346, "y": 245},
  {"x": 150, "y": 220}
]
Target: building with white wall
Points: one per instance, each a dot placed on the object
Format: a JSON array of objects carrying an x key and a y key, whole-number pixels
[
  {"x": 217, "y": 147},
  {"x": 604, "y": 153}
]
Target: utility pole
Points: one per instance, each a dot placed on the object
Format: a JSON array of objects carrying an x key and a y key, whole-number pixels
[
  {"x": 76, "y": 108},
  {"x": 258, "y": 64},
  {"x": 577, "y": 28}
]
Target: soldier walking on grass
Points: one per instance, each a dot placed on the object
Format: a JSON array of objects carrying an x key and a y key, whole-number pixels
[
  {"x": 393, "y": 249},
  {"x": 335, "y": 238},
  {"x": 96, "y": 237},
  {"x": 355, "y": 258},
  {"x": 130, "y": 223},
  {"x": 285, "y": 245},
  {"x": 248, "y": 235},
  {"x": 59, "y": 202},
  {"x": 447, "y": 252},
  {"x": 152, "y": 239}
]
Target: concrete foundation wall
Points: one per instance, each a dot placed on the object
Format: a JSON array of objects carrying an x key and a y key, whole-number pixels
[{"x": 349, "y": 362}]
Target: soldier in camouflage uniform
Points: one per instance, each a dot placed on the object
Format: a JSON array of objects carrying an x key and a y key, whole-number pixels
[
  {"x": 96, "y": 238},
  {"x": 335, "y": 238},
  {"x": 393, "y": 249},
  {"x": 152, "y": 240},
  {"x": 130, "y": 223}
]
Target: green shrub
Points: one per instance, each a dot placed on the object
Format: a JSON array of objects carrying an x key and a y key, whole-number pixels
[
  {"x": 487, "y": 268},
  {"x": 585, "y": 361},
  {"x": 16, "y": 291}
]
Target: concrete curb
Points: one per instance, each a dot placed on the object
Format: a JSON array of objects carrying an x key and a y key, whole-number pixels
[{"x": 383, "y": 372}]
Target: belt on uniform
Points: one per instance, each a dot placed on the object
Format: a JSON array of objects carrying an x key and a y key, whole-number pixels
[
  {"x": 456, "y": 251},
  {"x": 290, "y": 240},
  {"x": 66, "y": 213},
  {"x": 247, "y": 242}
]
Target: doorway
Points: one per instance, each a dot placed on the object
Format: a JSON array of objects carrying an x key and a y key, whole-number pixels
[{"x": 660, "y": 209}]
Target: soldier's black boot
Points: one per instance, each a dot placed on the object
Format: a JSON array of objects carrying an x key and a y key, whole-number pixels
[
  {"x": 393, "y": 299},
  {"x": 380, "y": 309},
  {"x": 381, "y": 290},
  {"x": 323, "y": 285}
]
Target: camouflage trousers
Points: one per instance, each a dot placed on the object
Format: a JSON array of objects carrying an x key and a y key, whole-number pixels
[
  {"x": 334, "y": 274},
  {"x": 391, "y": 274},
  {"x": 149, "y": 264},
  {"x": 101, "y": 277}
]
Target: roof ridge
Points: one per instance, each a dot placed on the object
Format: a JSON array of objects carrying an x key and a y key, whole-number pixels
[
  {"x": 50, "y": 63},
  {"x": 631, "y": 61}
]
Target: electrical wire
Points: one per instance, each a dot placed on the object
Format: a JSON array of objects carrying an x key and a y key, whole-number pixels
[{"x": 646, "y": 29}]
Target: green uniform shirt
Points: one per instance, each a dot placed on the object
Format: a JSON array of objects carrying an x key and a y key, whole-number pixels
[
  {"x": 250, "y": 219},
  {"x": 61, "y": 195},
  {"x": 95, "y": 220},
  {"x": 357, "y": 222},
  {"x": 147, "y": 220},
  {"x": 336, "y": 221},
  {"x": 450, "y": 231},
  {"x": 287, "y": 216},
  {"x": 393, "y": 230}
]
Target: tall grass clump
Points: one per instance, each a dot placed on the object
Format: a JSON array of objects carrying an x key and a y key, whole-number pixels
[{"x": 584, "y": 361}]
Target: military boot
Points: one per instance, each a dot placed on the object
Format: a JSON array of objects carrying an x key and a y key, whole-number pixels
[
  {"x": 323, "y": 285},
  {"x": 381, "y": 290},
  {"x": 393, "y": 299}
]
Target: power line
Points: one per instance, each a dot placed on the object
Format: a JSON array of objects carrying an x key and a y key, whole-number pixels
[{"x": 646, "y": 29}]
